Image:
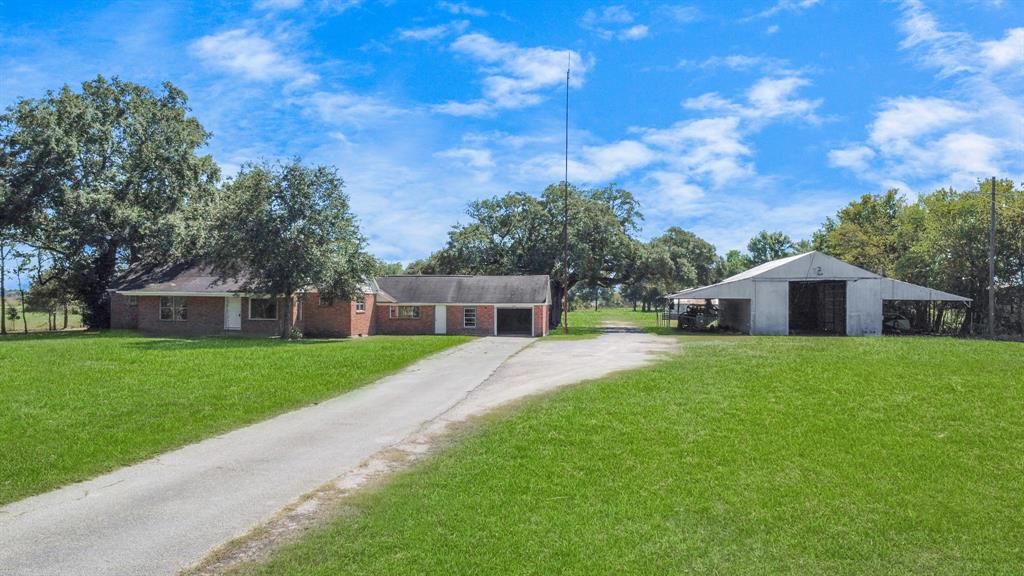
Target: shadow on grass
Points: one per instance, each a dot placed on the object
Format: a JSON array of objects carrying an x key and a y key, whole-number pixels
[
  {"x": 47, "y": 335},
  {"x": 163, "y": 343}
]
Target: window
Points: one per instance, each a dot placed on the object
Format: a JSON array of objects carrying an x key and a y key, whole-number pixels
[
  {"x": 173, "y": 309},
  {"x": 469, "y": 317},
  {"x": 405, "y": 312},
  {"x": 262, "y": 309},
  {"x": 133, "y": 300},
  {"x": 360, "y": 304},
  {"x": 326, "y": 301}
]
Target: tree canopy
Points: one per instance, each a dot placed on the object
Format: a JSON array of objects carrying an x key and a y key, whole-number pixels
[
  {"x": 96, "y": 177},
  {"x": 284, "y": 228}
]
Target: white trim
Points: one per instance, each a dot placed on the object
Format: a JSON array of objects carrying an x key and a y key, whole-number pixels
[
  {"x": 475, "y": 316},
  {"x": 495, "y": 314},
  {"x": 276, "y": 311},
  {"x": 533, "y": 321}
]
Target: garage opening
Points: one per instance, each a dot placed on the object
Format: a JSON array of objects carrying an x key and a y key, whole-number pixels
[
  {"x": 817, "y": 307},
  {"x": 515, "y": 321}
]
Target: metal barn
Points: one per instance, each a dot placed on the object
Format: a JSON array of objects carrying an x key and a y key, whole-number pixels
[{"x": 810, "y": 293}]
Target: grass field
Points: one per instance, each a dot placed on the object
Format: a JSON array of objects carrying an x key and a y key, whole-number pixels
[
  {"x": 77, "y": 405},
  {"x": 38, "y": 322},
  {"x": 588, "y": 323},
  {"x": 741, "y": 455}
]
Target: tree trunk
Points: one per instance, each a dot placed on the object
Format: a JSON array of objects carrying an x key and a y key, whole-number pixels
[
  {"x": 65, "y": 316},
  {"x": 94, "y": 297},
  {"x": 634, "y": 305},
  {"x": 287, "y": 317},
  {"x": 24, "y": 317}
]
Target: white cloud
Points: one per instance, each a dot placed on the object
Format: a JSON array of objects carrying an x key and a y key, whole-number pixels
[
  {"x": 247, "y": 53},
  {"x": 681, "y": 13},
  {"x": 785, "y": 6},
  {"x": 434, "y": 32},
  {"x": 773, "y": 29},
  {"x": 461, "y": 8},
  {"x": 474, "y": 157},
  {"x": 744, "y": 63},
  {"x": 515, "y": 77},
  {"x": 1006, "y": 53},
  {"x": 855, "y": 158},
  {"x": 613, "y": 22},
  {"x": 277, "y": 4},
  {"x": 344, "y": 108},
  {"x": 903, "y": 119},
  {"x": 953, "y": 137},
  {"x": 634, "y": 32},
  {"x": 768, "y": 98}
]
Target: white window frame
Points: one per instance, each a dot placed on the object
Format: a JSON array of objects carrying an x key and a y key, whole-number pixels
[
  {"x": 133, "y": 301},
  {"x": 276, "y": 306},
  {"x": 178, "y": 307},
  {"x": 360, "y": 304},
  {"x": 466, "y": 314},
  {"x": 394, "y": 312},
  {"x": 324, "y": 301}
]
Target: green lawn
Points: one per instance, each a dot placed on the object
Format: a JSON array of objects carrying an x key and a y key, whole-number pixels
[
  {"x": 77, "y": 405},
  {"x": 741, "y": 455},
  {"x": 588, "y": 323},
  {"x": 39, "y": 322}
]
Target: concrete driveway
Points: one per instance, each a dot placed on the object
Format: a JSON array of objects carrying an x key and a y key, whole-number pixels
[{"x": 165, "y": 514}]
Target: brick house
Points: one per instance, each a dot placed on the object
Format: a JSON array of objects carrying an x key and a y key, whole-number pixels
[{"x": 189, "y": 300}]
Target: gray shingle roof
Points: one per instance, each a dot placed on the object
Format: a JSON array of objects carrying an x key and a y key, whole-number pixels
[
  {"x": 465, "y": 289},
  {"x": 195, "y": 278},
  {"x": 183, "y": 277}
]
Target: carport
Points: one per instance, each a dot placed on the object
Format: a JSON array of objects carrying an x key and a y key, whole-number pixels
[{"x": 810, "y": 293}]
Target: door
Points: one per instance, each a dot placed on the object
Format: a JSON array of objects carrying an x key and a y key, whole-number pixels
[
  {"x": 232, "y": 313},
  {"x": 440, "y": 319},
  {"x": 515, "y": 321}
]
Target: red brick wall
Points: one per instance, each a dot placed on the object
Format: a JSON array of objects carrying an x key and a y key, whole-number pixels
[
  {"x": 331, "y": 321},
  {"x": 123, "y": 316},
  {"x": 540, "y": 320},
  {"x": 484, "y": 321},
  {"x": 387, "y": 325},
  {"x": 205, "y": 316},
  {"x": 363, "y": 322}
]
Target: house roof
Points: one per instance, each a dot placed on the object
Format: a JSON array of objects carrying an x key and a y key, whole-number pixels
[
  {"x": 184, "y": 278},
  {"x": 425, "y": 289},
  {"x": 812, "y": 265},
  {"x": 190, "y": 278}
]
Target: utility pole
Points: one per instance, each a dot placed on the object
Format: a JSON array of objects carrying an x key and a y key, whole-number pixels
[
  {"x": 992, "y": 264},
  {"x": 565, "y": 215}
]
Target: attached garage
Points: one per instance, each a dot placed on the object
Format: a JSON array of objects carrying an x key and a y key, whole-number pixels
[{"x": 514, "y": 322}]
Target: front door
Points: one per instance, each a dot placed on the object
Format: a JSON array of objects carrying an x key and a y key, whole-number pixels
[
  {"x": 440, "y": 319},
  {"x": 232, "y": 313}
]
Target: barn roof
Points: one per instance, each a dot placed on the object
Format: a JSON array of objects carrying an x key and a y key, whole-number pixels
[
  {"x": 812, "y": 266},
  {"x": 428, "y": 289}
]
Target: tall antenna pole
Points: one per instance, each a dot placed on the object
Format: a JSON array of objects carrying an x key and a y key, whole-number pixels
[
  {"x": 992, "y": 264},
  {"x": 565, "y": 215}
]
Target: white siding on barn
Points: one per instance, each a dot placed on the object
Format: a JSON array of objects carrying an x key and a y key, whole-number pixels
[
  {"x": 863, "y": 307},
  {"x": 770, "y": 309}
]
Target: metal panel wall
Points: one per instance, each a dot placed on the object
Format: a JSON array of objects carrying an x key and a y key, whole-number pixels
[
  {"x": 770, "y": 309},
  {"x": 864, "y": 307}
]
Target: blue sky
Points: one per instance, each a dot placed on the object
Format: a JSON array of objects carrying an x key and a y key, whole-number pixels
[{"x": 724, "y": 118}]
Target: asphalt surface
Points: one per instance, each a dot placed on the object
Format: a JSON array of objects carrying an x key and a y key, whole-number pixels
[{"x": 164, "y": 514}]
